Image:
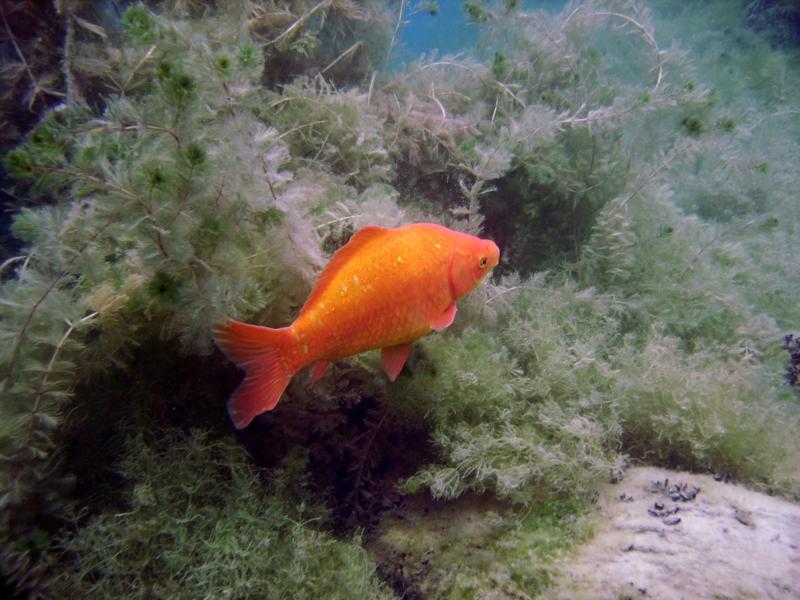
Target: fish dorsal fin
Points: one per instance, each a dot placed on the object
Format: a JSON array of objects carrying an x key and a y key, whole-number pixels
[{"x": 360, "y": 239}]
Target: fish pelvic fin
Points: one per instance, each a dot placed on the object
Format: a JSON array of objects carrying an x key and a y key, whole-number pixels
[
  {"x": 393, "y": 358},
  {"x": 261, "y": 353}
]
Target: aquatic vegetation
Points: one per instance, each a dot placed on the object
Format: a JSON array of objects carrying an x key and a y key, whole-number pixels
[
  {"x": 156, "y": 231},
  {"x": 516, "y": 420},
  {"x": 198, "y": 521},
  {"x": 713, "y": 420},
  {"x": 207, "y": 161},
  {"x": 476, "y": 546},
  {"x": 325, "y": 126}
]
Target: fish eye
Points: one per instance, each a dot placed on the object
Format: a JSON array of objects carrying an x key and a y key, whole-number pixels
[{"x": 483, "y": 261}]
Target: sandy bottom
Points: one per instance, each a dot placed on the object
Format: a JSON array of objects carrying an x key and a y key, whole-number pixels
[{"x": 669, "y": 535}]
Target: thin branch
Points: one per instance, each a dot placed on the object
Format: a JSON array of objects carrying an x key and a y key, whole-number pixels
[
  {"x": 650, "y": 176},
  {"x": 572, "y": 14},
  {"x": 93, "y": 179},
  {"x": 299, "y": 127},
  {"x": 37, "y": 88},
  {"x": 717, "y": 237},
  {"x": 69, "y": 43},
  {"x": 292, "y": 30},
  {"x": 10, "y": 261},
  {"x": 12, "y": 364},
  {"x": 371, "y": 83},
  {"x": 138, "y": 66},
  {"x": 124, "y": 191},
  {"x": 41, "y": 390},
  {"x": 508, "y": 91},
  {"x": 128, "y": 128},
  {"x": 501, "y": 293},
  {"x": 340, "y": 219},
  {"x": 444, "y": 63},
  {"x": 21, "y": 335},
  {"x": 357, "y": 484},
  {"x": 396, "y": 29},
  {"x": 439, "y": 104},
  {"x": 645, "y": 33},
  {"x": 342, "y": 56},
  {"x": 647, "y": 37},
  {"x": 780, "y": 113}
]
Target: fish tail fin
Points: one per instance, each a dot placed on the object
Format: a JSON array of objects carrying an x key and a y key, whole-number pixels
[{"x": 261, "y": 353}]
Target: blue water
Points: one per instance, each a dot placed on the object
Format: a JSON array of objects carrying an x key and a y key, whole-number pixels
[{"x": 449, "y": 31}]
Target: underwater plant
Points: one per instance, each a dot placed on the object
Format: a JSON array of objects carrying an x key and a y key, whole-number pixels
[
  {"x": 208, "y": 160},
  {"x": 146, "y": 228},
  {"x": 200, "y": 522}
]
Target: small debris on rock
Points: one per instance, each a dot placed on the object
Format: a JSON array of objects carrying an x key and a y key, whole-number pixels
[
  {"x": 662, "y": 512},
  {"x": 745, "y": 517},
  {"x": 671, "y": 520},
  {"x": 677, "y": 492},
  {"x": 625, "y": 498},
  {"x": 682, "y": 493}
]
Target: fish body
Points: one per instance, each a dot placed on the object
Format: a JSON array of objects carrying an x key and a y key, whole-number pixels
[{"x": 384, "y": 289}]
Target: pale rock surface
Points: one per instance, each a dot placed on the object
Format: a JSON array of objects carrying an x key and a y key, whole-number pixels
[{"x": 725, "y": 542}]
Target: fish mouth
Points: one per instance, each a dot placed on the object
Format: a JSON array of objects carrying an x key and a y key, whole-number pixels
[{"x": 493, "y": 254}]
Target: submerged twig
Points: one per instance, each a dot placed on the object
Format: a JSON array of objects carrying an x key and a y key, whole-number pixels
[
  {"x": 439, "y": 104},
  {"x": 42, "y": 388},
  {"x": 396, "y": 29},
  {"x": 93, "y": 179},
  {"x": 299, "y": 127},
  {"x": 128, "y": 128},
  {"x": 648, "y": 37},
  {"x": 508, "y": 91},
  {"x": 292, "y": 30},
  {"x": 10, "y": 261},
  {"x": 716, "y": 238},
  {"x": 650, "y": 176},
  {"x": 371, "y": 83},
  {"x": 12, "y": 366},
  {"x": 37, "y": 89},
  {"x": 12, "y": 363},
  {"x": 148, "y": 55},
  {"x": 342, "y": 56},
  {"x": 340, "y": 219}
]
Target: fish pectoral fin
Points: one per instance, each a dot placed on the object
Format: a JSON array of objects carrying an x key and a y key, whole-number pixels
[
  {"x": 393, "y": 358},
  {"x": 317, "y": 371},
  {"x": 445, "y": 319}
]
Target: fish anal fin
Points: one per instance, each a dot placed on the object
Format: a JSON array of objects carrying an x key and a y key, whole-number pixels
[
  {"x": 317, "y": 371},
  {"x": 445, "y": 319},
  {"x": 360, "y": 239},
  {"x": 393, "y": 358}
]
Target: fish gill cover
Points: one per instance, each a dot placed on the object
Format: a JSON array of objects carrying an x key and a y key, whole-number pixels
[{"x": 637, "y": 169}]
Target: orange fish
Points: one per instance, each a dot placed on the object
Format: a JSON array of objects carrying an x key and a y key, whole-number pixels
[{"x": 385, "y": 289}]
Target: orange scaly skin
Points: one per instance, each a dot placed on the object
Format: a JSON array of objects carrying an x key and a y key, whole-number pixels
[{"x": 383, "y": 289}]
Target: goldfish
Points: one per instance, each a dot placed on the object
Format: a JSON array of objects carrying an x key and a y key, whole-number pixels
[{"x": 384, "y": 289}]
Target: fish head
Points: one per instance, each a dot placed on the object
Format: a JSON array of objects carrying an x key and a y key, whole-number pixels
[{"x": 473, "y": 259}]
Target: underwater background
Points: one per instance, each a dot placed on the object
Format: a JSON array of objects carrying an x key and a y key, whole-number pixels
[{"x": 169, "y": 164}]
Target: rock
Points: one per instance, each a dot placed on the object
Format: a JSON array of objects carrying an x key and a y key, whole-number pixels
[{"x": 728, "y": 542}]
